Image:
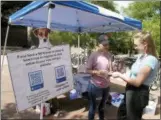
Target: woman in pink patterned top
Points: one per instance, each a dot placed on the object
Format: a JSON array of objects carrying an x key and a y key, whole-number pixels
[{"x": 99, "y": 65}]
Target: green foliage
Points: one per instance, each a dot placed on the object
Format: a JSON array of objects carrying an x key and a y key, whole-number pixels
[
  {"x": 9, "y": 7},
  {"x": 153, "y": 26},
  {"x": 120, "y": 42},
  {"x": 106, "y": 4},
  {"x": 149, "y": 13},
  {"x": 57, "y": 37},
  {"x": 143, "y": 10}
]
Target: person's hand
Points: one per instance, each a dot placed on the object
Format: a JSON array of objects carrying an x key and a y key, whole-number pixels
[
  {"x": 116, "y": 74},
  {"x": 96, "y": 72},
  {"x": 110, "y": 73},
  {"x": 100, "y": 72},
  {"x": 103, "y": 72}
]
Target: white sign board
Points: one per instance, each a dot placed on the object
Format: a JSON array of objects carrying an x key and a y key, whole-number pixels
[{"x": 40, "y": 74}]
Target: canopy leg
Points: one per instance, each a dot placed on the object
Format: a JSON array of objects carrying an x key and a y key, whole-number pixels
[
  {"x": 51, "y": 6},
  {"x": 4, "y": 47},
  {"x": 78, "y": 48}
]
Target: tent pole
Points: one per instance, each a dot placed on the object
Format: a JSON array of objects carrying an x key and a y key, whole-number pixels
[
  {"x": 49, "y": 16},
  {"x": 78, "y": 47},
  {"x": 51, "y": 6},
  {"x": 5, "y": 44},
  {"x": 132, "y": 42}
]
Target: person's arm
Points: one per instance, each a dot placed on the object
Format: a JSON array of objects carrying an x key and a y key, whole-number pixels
[
  {"x": 141, "y": 76},
  {"x": 90, "y": 64},
  {"x": 93, "y": 72}
]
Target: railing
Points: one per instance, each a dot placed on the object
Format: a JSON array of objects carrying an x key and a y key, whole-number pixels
[{"x": 82, "y": 59}]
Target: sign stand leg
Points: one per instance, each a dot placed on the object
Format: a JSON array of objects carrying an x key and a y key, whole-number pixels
[{"x": 41, "y": 111}]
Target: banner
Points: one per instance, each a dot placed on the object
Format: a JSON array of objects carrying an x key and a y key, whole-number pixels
[{"x": 40, "y": 74}]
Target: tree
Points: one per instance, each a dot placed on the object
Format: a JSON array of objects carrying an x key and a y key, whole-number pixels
[
  {"x": 106, "y": 4},
  {"x": 149, "y": 14},
  {"x": 143, "y": 10},
  {"x": 9, "y": 7},
  {"x": 121, "y": 42}
]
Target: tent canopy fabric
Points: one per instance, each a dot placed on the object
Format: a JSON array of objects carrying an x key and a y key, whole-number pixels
[{"x": 73, "y": 16}]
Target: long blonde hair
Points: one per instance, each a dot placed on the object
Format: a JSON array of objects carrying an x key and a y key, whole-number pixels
[{"x": 143, "y": 36}]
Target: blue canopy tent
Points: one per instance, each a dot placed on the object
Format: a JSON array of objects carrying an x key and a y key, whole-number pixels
[{"x": 73, "y": 16}]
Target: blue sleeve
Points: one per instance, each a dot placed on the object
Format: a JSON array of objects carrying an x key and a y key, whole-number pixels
[{"x": 151, "y": 62}]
